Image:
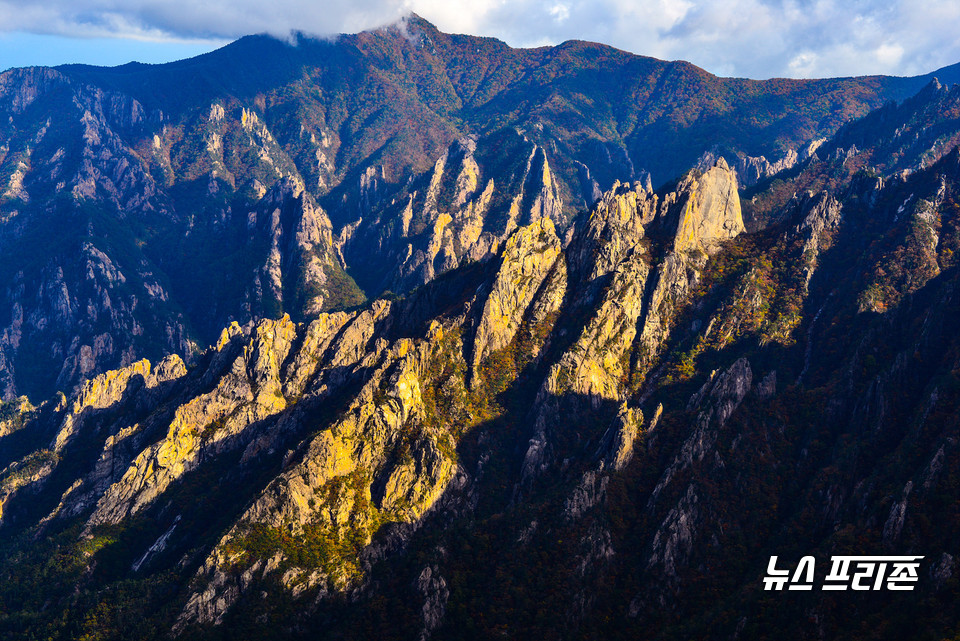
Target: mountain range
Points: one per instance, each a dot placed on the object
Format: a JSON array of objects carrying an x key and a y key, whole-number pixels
[{"x": 411, "y": 335}]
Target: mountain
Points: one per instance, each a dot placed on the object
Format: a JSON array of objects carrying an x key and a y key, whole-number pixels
[
  {"x": 140, "y": 203},
  {"x": 471, "y": 371}
]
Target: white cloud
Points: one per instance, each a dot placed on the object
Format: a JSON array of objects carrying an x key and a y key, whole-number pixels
[
  {"x": 560, "y": 12},
  {"x": 802, "y": 64},
  {"x": 756, "y": 38}
]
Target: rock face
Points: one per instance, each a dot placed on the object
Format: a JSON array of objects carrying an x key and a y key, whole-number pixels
[
  {"x": 631, "y": 316},
  {"x": 13, "y": 414},
  {"x": 821, "y": 217},
  {"x": 711, "y": 211},
  {"x": 435, "y": 593},
  {"x": 461, "y": 211},
  {"x": 248, "y": 390},
  {"x": 347, "y": 483},
  {"x": 504, "y": 410},
  {"x": 112, "y": 287},
  {"x": 528, "y": 258},
  {"x": 751, "y": 170}
]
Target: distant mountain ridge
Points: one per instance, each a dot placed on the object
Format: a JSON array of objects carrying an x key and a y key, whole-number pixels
[{"x": 475, "y": 85}]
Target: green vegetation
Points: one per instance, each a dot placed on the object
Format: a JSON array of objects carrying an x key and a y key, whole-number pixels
[
  {"x": 332, "y": 548},
  {"x": 753, "y": 288},
  {"x": 341, "y": 290},
  {"x": 54, "y": 572},
  {"x": 26, "y": 468},
  {"x": 14, "y": 414}
]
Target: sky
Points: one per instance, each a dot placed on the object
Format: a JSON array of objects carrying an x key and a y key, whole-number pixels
[{"x": 745, "y": 38}]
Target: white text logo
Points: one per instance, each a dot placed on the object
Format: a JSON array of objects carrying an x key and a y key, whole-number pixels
[{"x": 847, "y": 573}]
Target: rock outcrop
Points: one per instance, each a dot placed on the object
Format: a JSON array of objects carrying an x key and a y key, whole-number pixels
[
  {"x": 462, "y": 211},
  {"x": 708, "y": 209},
  {"x": 632, "y": 301},
  {"x": 527, "y": 259}
]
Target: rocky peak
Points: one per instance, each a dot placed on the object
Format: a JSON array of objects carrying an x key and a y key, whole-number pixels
[
  {"x": 751, "y": 170},
  {"x": 821, "y": 215},
  {"x": 490, "y": 418},
  {"x": 21, "y": 87},
  {"x": 478, "y": 192},
  {"x": 708, "y": 209},
  {"x": 527, "y": 258},
  {"x": 284, "y": 190},
  {"x": 613, "y": 230},
  {"x": 302, "y": 272}
]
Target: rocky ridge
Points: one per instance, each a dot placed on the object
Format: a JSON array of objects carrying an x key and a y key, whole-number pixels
[
  {"x": 389, "y": 456},
  {"x": 153, "y": 185}
]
